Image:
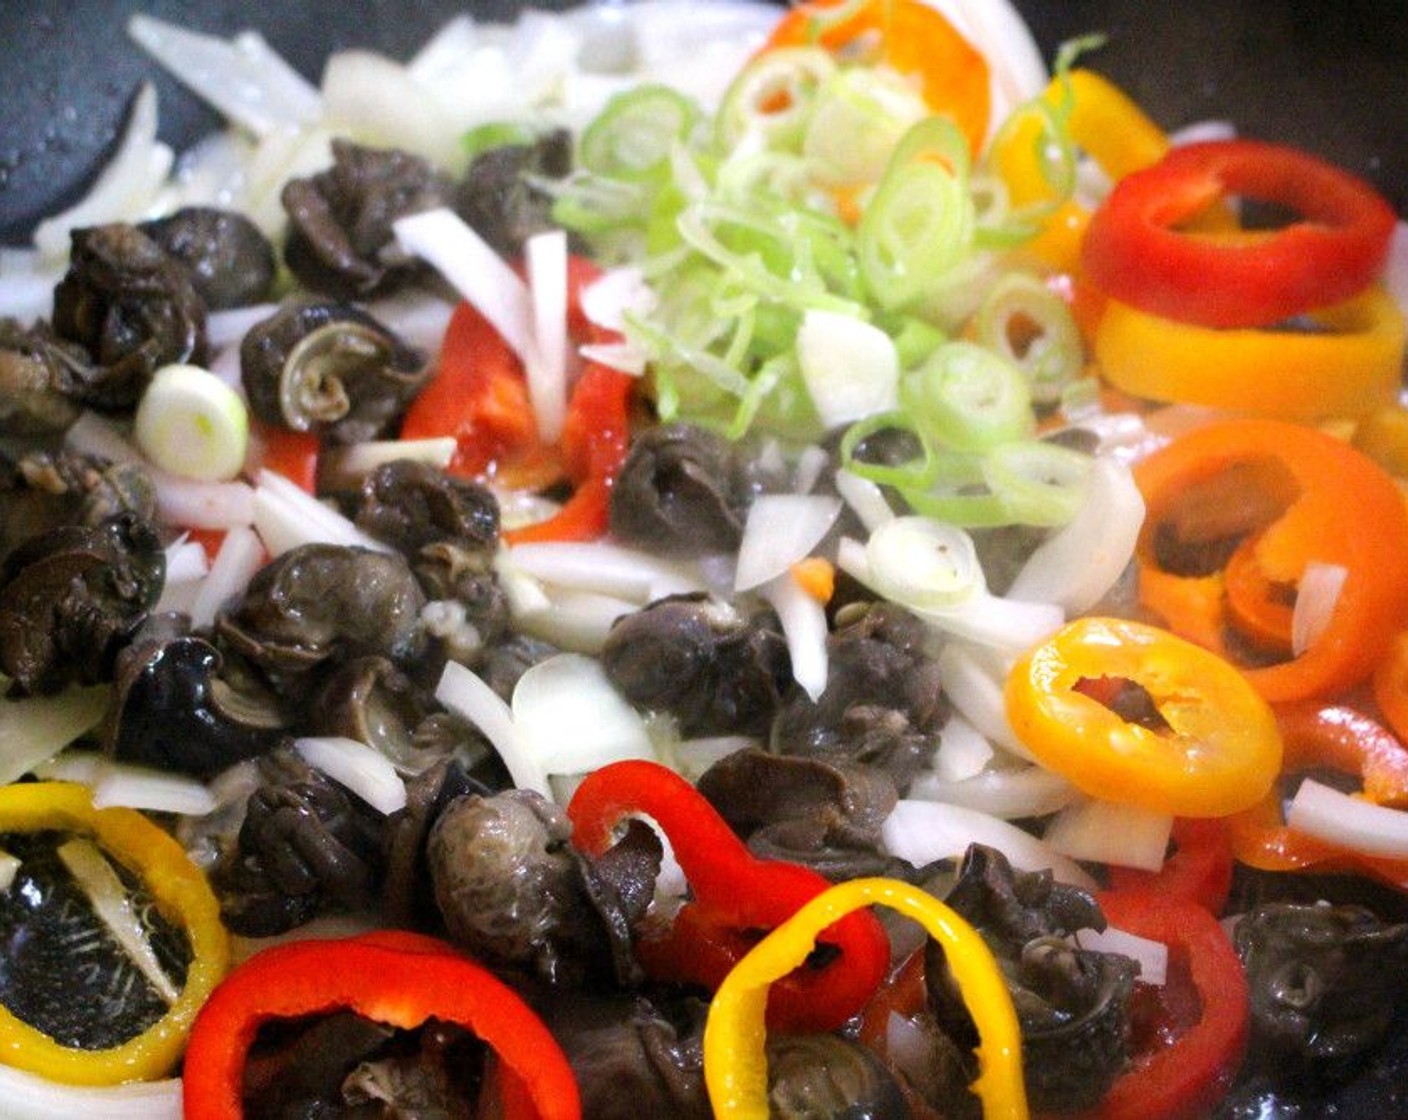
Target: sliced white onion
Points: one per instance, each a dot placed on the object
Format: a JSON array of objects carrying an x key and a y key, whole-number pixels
[
  {"x": 155, "y": 791},
  {"x": 617, "y": 292},
  {"x": 1316, "y": 597},
  {"x": 812, "y": 462},
  {"x": 1327, "y": 814},
  {"x": 624, "y": 357},
  {"x": 418, "y": 317},
  {"x": 92, "y": 434},
  {"x": 1396, "y": 267},
  {"x": 692, "y": 757},
  {"x": 546, "y": 255},
  {"x": 964, "y": 751},
  {"x": 781, "y": 529},
  {"x": 1007, "y": 792},
  {"x": 112, "y": 903},
  {"x": 1080, "y": 562},
  {"x": 579, "y": 621},
  {"x": 124, "y": 188},
  {"x": 35, "y": 728},
  {"x": 603, "y": 567},
  {"x": 803, "y": 620},
  {"x": 465, "y": 694},
  {"x": 850, "y": 367},
  {"x": 241, "y": 554},
  {"x": 865, "y": 498},
  {"x": 243, "y": 78},
  {"x": 920, "y": 832},
  {"x": 1103, "y": 832},
  {"x": 974, "y": 683},
  {"x": 447, "y": 242},
  {"x": 286, "y": 517},
  {"x": 186, "y": 561},
  {"x": 1002, "y": 623},
  {"x": 345, "y": 466},
  {"x": 1152, "y": 956},
  {"x": 571, "y": 720},
  {"x": 28, "y": 1096},
  {"x": 362, "y": 769},
  {"x": 380, "y": 102},
  {"x": 202, "y": 505},
  {"x": 227, "y": 328},
  {"x": 9, "y": 867}
]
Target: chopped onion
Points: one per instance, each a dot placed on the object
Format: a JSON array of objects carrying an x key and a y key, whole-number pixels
[
  {"x": 186, "y": 561},
  {"x": 812, "y": 462},
  {"x": 243, "y": 78},
  {"x": 579, "y": 621},
  {"x": 1152, "y": 956},
  {"x": 781, "y": 529},
  {"x": 92, "y": 434},
  {"x": 602, "y": 567},
  {"x": 379, "y": 101},
  {"x": 1316, "y": 597},
  {"x": 691, "y": 757},
  {"x": 446, "y": 241},
  {"x": 850, "y": 367},
  {"x": 803, "y": 620},
  {"x": 202, "y": 505},
  {"x": 362, "y": 769},
  {"x": 546, "y": 255},
  {"x": 241, "y": 554},
  {"x": 921, "y": 832},
  {"x": 140, "y": 787},
  {"x": 124, "y": 189},
  {"x": 112, "y": 903},
  {"x": 286, "y": 517},
  {"x": 608, "y": 299},
  {"x": 28, "y": 1096},
  {"x": 571, "y": 720},
  {"x": 1349, "y": 822},
  {"x": 346, "y": 465},
  {"x": 35, "y": 728},
  {"x": 468, "y": 696},
  {"x": 963, "y": 751},
  {"x": 865, "y": 498},
  {"x": 1079, "y": 563},
  {"x": 1104, "y": 832},
  {"x": 975, "y": 686},
  {"x": 1012, "y": 794}
]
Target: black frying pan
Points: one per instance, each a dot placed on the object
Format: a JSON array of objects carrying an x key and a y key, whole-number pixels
[{"x": 1328, "y": 75}]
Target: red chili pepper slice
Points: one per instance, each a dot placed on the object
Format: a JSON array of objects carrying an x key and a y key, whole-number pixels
[
  {"x": 1183, "y": 1078},
  {"x": 395, "y": 978},
  {"x": 1135, "y": 252},
  {"x": 1198, "y": 871},
  {"x": 734, "y": 897}
]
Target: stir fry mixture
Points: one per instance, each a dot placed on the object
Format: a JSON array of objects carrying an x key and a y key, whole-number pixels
[{"x": 703, "y": 559}]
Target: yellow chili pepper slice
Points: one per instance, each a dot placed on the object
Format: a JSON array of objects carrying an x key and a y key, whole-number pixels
[
  {"x": 1102, "y": 120},
  {"x": 177, "y": 886},
  {"x": 1213, "y": 749},
  {"x": 735, "y": 1066},
  {"x": 1349, "y": 364}
]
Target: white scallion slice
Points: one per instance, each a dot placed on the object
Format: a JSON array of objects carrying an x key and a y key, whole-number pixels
[
  {"x": 923, "y": 831},
  {"x": 1337, "y": 818},
  {"x": 468, "y": 696},
  {"x": 113, "y": 906},
  {"x": 1316, "y": 595},
  {"x": 850, "y": 367},
  {"x": 35, "y": 728},
  {"x": 924, "y": 564},
  {"x": 865, "y": 498},
  {"x": 1103, "y": 832},
  {"x": 781, "y": 529},
  {"x": 362, "y": 769},
  {"x": 192, "y": 424}
]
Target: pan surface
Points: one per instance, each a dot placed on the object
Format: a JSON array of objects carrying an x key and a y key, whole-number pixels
[{"x": 1329, "y": 77}]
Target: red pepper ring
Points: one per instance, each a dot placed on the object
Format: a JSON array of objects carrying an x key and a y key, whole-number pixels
[
  {"x": 394, "y": 978},
  {"x": 1134, "y": 252},
  {"x": 734, "y": 897},
  {"x": 1199, "y": 870}
]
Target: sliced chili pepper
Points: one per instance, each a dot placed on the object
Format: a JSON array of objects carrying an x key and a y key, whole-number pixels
[
  {"x": 1198, "y": 871},
  {"x": 735, "y": 1065},
  {"x": 1183, "y": 1078},
  {"x": 734, "y": 897},
  {"x": 912, "y": 38},
  {"x": 1336, "y": 737},
  {"x": 291, "y": 454},
  {"x": 179, "y": 889},
  {"x": 1347, "y": 362},
  {"x": 401, "y": 980},
  {"x": 1383, "y": 436},
  {"x": 1216, "y": 752},
  {"x": 1307, "y": 498},
  {"x": 1135, "y": 252}
]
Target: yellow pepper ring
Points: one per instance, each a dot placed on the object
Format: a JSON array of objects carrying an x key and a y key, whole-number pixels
[
  {"x": 1221, "y": 751},
  {"x": 178, "y": 887},
  {"x": 735, "y": 1065},
  {"x": 1350, "y": 367}
]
